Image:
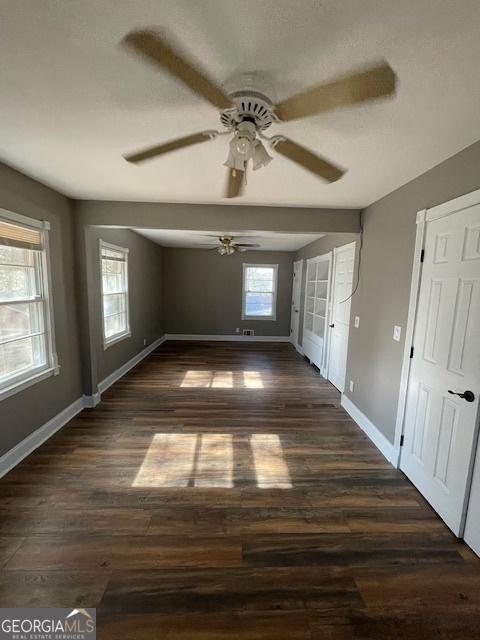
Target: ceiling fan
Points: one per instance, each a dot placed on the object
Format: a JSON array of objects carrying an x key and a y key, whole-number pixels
[
  {"x": 246, "y": 111},
  {"x": 228, "y": 246}
]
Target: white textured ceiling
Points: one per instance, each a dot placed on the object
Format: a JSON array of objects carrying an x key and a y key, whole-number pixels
[
  {"x": 72, "y": 102},
  {"x": 268, "y": 240}
]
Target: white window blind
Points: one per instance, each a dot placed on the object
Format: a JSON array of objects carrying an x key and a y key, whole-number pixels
[
  {"x": 259, "y": 291},
  {"x": 26, "y": 340},
  {"x": 115, "y": 307}
]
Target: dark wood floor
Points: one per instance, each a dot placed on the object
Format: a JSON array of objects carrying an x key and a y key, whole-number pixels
[{"x": 219, "y": 491}]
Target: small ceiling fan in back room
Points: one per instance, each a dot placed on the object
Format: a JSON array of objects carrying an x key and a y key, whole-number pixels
[
  {"x": 228, "y": 245},
  {"x": 246, "y": 110}
]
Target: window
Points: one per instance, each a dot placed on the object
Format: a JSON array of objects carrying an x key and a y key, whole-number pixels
[
  {"x": 259, "y": 298},
  {"x": 27, "y": 350},
  {"x": 116, "y": 323}
]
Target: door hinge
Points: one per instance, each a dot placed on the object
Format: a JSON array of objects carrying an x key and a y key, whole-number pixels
[
  {"x": 411, "y": 352},
  {"x": 422, "y": 255},
  {"x": 401, "y": 440}
]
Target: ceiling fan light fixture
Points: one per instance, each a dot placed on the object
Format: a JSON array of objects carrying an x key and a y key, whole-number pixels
[
  {"x": 260, "y": 156},
  {"x": 240, "y": 150},
  {"x": 226, "y": 250},
  {"x": 243, "y": 146},
  {"x": 234, "y": 161}
]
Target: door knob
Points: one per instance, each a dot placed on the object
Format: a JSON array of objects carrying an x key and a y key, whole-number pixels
[
  {"x": 331, "y": 326},
  {"x": 466, "y": 395}
]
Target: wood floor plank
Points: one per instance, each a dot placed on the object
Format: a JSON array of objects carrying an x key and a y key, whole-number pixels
[
  {"x": 240, "y": 626},
  {"x": 132, "y": 552},
  {"x": 397, "y": 623},
  {"x": 415, "y": 586},
  {"x": 51, "y": 588},
  {"x": 350, "y": 550},
  {"x": 262, "y": 589}
]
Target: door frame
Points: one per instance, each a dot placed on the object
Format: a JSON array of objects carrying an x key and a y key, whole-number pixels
[
  {"x": 423, "y": 216},
  {"x": 299, "y": 264},
  {"x": 331, "y": 286}
]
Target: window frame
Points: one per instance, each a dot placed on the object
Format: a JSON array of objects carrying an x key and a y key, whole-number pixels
[
  {"x": 118, "y": 337},
  {"x": 273, "y": 317},
  {"x": 51, "y": 367}
]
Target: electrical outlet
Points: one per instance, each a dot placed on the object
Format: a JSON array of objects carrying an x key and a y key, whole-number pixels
[
  {"x": 356, "y": 322},
  {"x": 237, "y": 330},
  {"x": 397, "y": 332},
  {"x": 351, "y": 386}
]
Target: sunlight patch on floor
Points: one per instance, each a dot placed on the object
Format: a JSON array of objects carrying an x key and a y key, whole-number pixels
[
  {"x": 208, "y": 460},
  {"x": 169, "y": 461},
  {"x": 222, "y": 380},
  {"x": 271, "y": 469},
  {"x": 215, "y": 461},
  {"x": 252, "y": 380}
]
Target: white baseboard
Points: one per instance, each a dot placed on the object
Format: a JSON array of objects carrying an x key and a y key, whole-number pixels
[
  {"x": 90, "y": 402},
  {"x": 375, "y": 435},
  {"x": 226, "y": 338},
  {"x": 38, "y": 437},
  {"x": 298, "y": 348},
  {"x": 121, "y": 371}
]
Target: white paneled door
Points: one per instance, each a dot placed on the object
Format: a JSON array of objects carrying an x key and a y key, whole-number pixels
[
  {"x": 296, "y": 301},
  {"x": 444, "y": 384},
  {"x": 339, "y": 325}
]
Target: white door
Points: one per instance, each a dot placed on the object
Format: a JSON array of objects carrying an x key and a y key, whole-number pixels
[
  {"x": 296, "y": 295},
  {"x": 342, "y": 282},
  {"x": 440, "y": 424}
]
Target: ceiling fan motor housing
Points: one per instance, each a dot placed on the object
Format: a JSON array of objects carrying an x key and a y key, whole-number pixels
[
  {"x": 252, "y": 96},
  {"x": 250, "y": 106}
]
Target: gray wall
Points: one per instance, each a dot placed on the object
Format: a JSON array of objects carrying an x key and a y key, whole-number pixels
[
  {"x": 27, "y": 410},
  {"x": 318, "y": 248},
  {"x": 374, "y": 358},
  {"x": 145, "y": 295},
  {"x": 203, "y": 292}
]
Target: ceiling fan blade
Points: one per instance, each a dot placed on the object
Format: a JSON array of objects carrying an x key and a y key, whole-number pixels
[
  {"x": 235, "y": 183},
  {"x": 245, "y": 244},
  {"x": 172, "y": 145},
  {"x": 366, "y": 85},
  {"x": 308, "y": 160},
  {"x": 154, "y": 47}
]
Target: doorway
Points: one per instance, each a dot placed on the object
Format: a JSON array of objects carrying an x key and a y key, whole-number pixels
[
  {"x": 339, "y": 323},
  {"x": 442, "y": 391},
  {"x": 296, "y": 301}
]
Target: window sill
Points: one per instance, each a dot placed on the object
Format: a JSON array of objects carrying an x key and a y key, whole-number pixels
[
  {"x": 115, "y": 339},
  {"x": 271, "y": 318},
  {"x": 24, "y": 383}
]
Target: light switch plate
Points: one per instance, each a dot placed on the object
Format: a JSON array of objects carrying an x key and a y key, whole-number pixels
[
  {"x": 397, "y": 332},
  {"x": 357, "y": 322}
]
